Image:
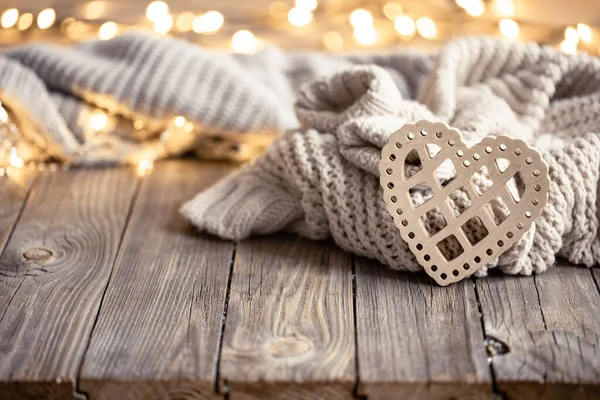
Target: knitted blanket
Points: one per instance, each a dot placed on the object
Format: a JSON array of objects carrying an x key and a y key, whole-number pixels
[
  {"x": 143, "y": 83},
  {"x": 321, "y": 179}
]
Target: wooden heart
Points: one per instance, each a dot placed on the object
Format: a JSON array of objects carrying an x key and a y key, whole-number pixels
[{"x": 455, "y": 223}]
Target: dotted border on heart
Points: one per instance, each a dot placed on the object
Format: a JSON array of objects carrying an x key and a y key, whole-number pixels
[{"x": 409, "y": 137}]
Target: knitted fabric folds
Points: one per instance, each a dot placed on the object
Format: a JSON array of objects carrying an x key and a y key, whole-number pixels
[
  {"x": 136, "y": 76},
  {"x": 322, "y": 180}
]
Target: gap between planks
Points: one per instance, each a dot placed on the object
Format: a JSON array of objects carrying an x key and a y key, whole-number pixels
[
  {"x": 60, "y": 215},
  {"x": 165, "y": 296},
  {"x": 77, "y": 392},
  {"x": 10, "y": 216},
  {"x": 290, "y": 330},
  {"x": 544, "y": 333},
  {"x": 418, "y": 340},
  {"x": 494, "y": 281},
  {"x": 11, "y": 211},
  {"x": 217, "y": 385}
]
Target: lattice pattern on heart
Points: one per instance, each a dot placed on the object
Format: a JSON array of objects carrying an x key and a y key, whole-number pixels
[{"x": 457, "y": 207}]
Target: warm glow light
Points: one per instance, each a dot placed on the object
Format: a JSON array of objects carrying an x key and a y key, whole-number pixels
[
  {"x": 198, "y": 24},
  {"x": 509, "y": 28},
  {"x": 299, "y": 17},
  {"x": 213, "y": 21},
  {"x": 571, "y": 35},
  {"x": 66, "y": 23},
  {"x": 585, "y": 32},
  {"x": 74, "y": 30},
  {"x": 244, "y": 42},
  {"x": 504, "y": 8},
  {"x": 426, "y": 27},
  {"x": 25, "y": 21},
  {"x": 365, "y": 35},
  {"x": 185, "y": 21},
  {"x": 144, "y": 167},
  {"x": 3, "y": 115},
  {"x": 98, "y": 120},
  {"x": 279, "y": 9},
  {"x": 333, "y": 40},
  {"x": 14, "y": 159},
  {"x": 138, "y": 124},
  {"x": 210, "y": 22},
  {"x": 156, "y": 10},
  {"x": 94, "y": 10},
  {"x": 308, "y": 5},
  {"x": 568, "y": 47},
  {"x": 9, "y": 18},
  {"x": 179, "y": 122},
  {"x": 391, "y": 10},
  {"x": 476, "y": 9},
  {"x": 361, "y": 18},
  {"x": 405, "y": 25},
  {"x": 46, "y": 18},
  {"x": 108, "y": 30},
  {"x": 163, "y": 24}
]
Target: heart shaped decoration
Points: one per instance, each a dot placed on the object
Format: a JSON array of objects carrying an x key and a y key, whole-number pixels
[{"x": 460, "y": 207}]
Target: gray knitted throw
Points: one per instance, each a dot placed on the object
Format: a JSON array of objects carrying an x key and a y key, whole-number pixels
[
  {"x": 140, "y": 80},
  {"x": 321, "y": 179}
]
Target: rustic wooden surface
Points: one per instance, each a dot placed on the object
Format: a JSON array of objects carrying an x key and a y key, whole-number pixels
[
  {"x": 13, "y": 194},
  {"x": 289, "y": 331},
  {"x": 545, "y": 333},
  {"x": 158, "y": 331},
  {"x": 418, "y": 340},
  {"x": 106, "y": 292},
  {"x": 54, "y": 270}
]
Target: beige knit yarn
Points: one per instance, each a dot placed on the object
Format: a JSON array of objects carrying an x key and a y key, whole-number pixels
[{"x": 323, "y": 180}]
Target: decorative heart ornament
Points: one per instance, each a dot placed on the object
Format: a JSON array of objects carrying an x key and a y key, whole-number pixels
[{"x": 460, "y": 207}]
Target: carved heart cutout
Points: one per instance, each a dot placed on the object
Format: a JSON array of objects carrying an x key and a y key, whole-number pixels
[{"x": 460, "y": 207}]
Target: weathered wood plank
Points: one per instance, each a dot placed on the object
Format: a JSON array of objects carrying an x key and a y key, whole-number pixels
[
  {"x": 547, "y": 333},
  {"x": 13, "y": 191},
  {"x": 158, "y": 331},
  {"x": 417, "y": 340},
  {"x": 289, "y": 332},
  {"x": 56, "y": 265}
]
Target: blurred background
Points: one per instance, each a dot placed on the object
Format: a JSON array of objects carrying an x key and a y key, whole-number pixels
[{"x": 329, "y": 25}]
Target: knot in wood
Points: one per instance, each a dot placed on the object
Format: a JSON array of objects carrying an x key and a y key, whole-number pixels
[
  {"x": 289, "y": 347},
  {"x": 37, "y": 254}
]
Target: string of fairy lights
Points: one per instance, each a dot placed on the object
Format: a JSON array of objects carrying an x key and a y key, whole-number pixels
[
  {"x": 330, "y": 25},
  {"x": 340, "y": 27}
]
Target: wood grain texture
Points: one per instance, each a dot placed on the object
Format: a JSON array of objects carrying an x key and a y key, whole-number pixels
[
  {"x": 548, "y": 333},
  {"x": 55, "y": 268},
  {"x": 289, "y": 332},
  {"x": 13, "y": 193},
  {"x": 158, "y": 331},
  {"x": 417, "y": 340}
]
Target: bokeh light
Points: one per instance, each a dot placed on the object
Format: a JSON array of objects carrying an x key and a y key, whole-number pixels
[{"x": 46, "y": 18}]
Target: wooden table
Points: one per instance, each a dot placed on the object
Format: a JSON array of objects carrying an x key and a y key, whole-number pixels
[{"x": 106, "y": 292}]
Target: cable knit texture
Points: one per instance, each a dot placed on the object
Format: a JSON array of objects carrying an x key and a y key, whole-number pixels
[{"x": 322, "y": 180}]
